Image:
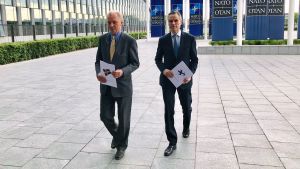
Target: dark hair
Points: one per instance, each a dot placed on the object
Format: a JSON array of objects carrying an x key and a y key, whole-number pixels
[{"x": 175, "y": 13}]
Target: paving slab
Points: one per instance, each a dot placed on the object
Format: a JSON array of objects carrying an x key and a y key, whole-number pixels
[{"x": 246, "y": 114}]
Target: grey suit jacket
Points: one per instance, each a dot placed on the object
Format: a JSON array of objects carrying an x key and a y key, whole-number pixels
[{"x": 125, "y": 58}]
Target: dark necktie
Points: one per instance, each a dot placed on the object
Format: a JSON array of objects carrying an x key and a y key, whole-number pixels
[{"x": 175, "y": 47}]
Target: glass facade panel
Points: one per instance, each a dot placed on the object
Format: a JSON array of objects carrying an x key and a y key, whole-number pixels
[
  {"x": 78, "y": 9},
  {"x": 22, "y": 3},
  {"x": 54, "y": 5},
  {"x": 45, "y": 4},
  {"x": 25, "y": 15},
  {"x": 8, "y": 2},
  {"x": 63, "y": 4},
  {"x": 71, "y": 6},
  {"x": 35, "y": 4},
  {"x": 11, "y": 14},
  {"x": 83, "y": 5}
]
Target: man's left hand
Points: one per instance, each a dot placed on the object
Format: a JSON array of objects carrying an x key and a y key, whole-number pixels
[
  {"x": 186, "y": 80},
  {"x": 117, "y": 73}
]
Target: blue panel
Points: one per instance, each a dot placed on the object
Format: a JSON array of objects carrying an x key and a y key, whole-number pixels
[
  {"x": 222, "y": 29},
  {"x": 276, "y": 27},
  {"x": 196, "y": 30},
  {"x": 257, "y": 27},
  {"x": 157, "y": 31},
  {"x": 196, "y": 15},
  {"x": 222, "y": 22},
  {"x": 157, "y": 18}
]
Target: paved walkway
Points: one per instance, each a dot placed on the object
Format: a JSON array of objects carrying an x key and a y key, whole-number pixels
[{"x": 246, "y": 115}]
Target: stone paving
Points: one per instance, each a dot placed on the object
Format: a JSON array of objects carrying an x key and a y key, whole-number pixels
[{"x": 246, "y": 115}]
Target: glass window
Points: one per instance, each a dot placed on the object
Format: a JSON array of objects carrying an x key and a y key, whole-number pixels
[
  {"x": 2, "y": 33},
  {"x": 55, "y": 5},
  {"x": 66, "y": 18},
  {"x": 22, "y": 3},
  {"x": 63, "y": 5},
  {"x": 35, "y": 3},
  {"x": 78, "y": 10},
  {"x": 25, "y": 15},
  {"x": 45, "y": 4},
  {"x": 71, "y": 5},
  {"x": 37, "y": 16},
  {"x": 8, "y": 2},
  {"x": 57, "y": 17},
  {"x": 11, "y": 13},
  {"x": 48, "y": 16},
  {"x": 83, "y": 4}
]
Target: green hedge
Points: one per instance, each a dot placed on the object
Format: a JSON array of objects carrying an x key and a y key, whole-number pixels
[
  {"x": 254, "y": 42},
  {"x": 20, "y": 51}
]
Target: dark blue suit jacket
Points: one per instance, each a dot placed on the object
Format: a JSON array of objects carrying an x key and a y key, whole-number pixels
[{"x": 165, "y": 57}]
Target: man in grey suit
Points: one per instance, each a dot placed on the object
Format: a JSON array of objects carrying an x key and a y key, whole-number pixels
[
  {"x": 173, "y": 48},
  {"x": 119, "y": 49}
]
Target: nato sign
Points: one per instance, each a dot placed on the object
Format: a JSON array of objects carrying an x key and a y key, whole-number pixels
[
  {"x": 265, "y": 19},
  {"x": 196, "y": 15},
  {"x": 157, "y": 18},
  {"x": 222, "y": 22}
]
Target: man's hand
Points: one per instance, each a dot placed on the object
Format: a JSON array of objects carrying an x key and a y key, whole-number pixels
[
  {"x": 168, "y": 73},
  {"x": 186, "y": 80},
  {"x": 117, "y": 73},
  {"x": 101, "y": 78}
]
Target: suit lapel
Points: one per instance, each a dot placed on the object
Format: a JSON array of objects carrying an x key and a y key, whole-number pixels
[{"x": 107, "y": 40}]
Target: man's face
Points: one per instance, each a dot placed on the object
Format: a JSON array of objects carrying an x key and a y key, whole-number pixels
[
  {"x": 174, "y": 23},
  {"x": 114, "y": 23}
]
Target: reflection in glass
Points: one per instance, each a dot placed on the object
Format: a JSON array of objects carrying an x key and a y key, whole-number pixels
[
  {"x": 11, "y": 13},
  {"x": 22, "y": 3},
  {"x": 63, "y": 5},
  {"x": 2, "y": 33},
  {"x": 34, "y": 3},
  {"x": 54, "y": 5},
  {"x": 8, "y": 2},
  {"x": 45, "y": 4},
  {"x": 58, "y": 22},
  {"x": 26, "y": 21},
  {"x": 71, "y": 5}
]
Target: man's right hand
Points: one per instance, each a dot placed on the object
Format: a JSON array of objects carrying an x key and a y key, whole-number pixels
[
  {"x": 101, "y": 78},
  {"x": 168, "y": 73}
]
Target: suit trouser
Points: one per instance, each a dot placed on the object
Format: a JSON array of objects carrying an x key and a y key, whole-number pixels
[
  {"x": 107, "y": 112},
  {"x": 185, "y": 98}
]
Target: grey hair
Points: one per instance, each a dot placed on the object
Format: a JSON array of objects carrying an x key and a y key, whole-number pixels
[
  {"x": 116, "y": 13},
  {"x": 175, "y": 13}
]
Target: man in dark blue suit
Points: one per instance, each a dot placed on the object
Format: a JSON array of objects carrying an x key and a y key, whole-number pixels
[
  {"x": 173, "y": 48},
  {"x": 119, "y": 49}
]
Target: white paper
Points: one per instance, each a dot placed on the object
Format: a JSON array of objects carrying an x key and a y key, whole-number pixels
[
  {"x": 106, "y": 70},
  {"x": 180, "y": 71}
]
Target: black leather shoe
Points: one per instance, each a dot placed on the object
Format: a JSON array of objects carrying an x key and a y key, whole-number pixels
[
  {"x": 113, "y": 144},
  {"x": 186, "y": 133},
  {"x": 169, "y": 150},
  {"x": 120, "y": 153}
]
